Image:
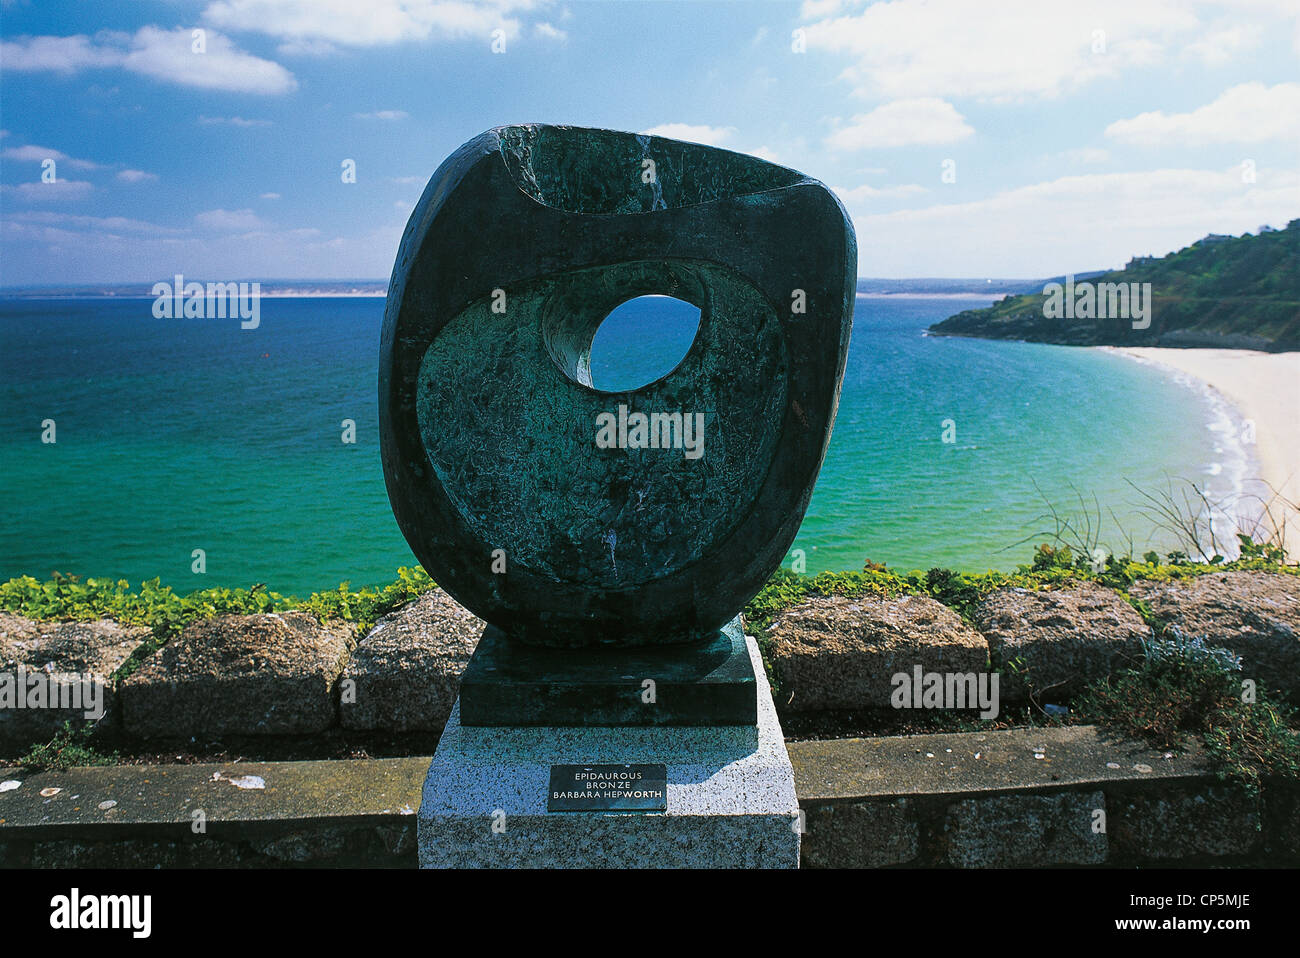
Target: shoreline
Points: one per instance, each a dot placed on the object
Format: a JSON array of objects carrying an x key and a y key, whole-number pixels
[
  {"x": 1263, "y": 388},
  {"x": 991, "y": 294}
]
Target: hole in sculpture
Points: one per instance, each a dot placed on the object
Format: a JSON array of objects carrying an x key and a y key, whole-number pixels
[{"x": 641, "y": 340}]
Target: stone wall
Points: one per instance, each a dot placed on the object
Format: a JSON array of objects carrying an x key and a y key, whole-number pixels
[
  {"x": 1032, "y": 798},
  {"x": 274, "y": 674},
  {"x": 377, "y": 846},
  {"x": 1199, "y": 824},
  {"x": 835, "y": 652},
  {"x": 289, "y": 674},
  {"x": 962, "y": 800}
]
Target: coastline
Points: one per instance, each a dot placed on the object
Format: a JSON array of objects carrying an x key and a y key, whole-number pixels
[
  {"x": 1261, "y": 387},
  {"x": 991, "y": 294}
]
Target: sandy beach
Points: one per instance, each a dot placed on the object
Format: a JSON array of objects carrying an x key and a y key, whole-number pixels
[{"x": 1264, "y": 388}]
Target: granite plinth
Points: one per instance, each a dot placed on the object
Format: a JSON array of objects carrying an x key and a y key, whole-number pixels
[
  {"x": 730, "y": 796},
  {"x": 508, "y": 683}
]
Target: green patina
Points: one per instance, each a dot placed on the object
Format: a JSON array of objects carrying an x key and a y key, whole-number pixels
[
  {"x": 510, "y": 421},
  {"x": 569, "y": 516},
  {"x": 587, "y": 171}
]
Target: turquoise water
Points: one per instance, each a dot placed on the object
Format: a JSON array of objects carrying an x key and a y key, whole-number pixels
[
  {"x": 1034, "y": 424},
  {"x": 176, "y": 435}
]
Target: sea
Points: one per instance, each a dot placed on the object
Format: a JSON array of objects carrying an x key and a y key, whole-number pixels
[{"x": 187, "y": 444}]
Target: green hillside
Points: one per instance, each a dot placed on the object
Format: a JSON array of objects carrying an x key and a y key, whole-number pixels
[{"x": 1222, "y": 291}]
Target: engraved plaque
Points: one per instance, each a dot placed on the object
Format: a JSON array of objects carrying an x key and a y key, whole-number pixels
[{"x": 608, "y": 788}]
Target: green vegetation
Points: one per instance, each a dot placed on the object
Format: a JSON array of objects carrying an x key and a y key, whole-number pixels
[
  {"x": 1052, "y": 567},
  {"x": 786, "y": 588},
  {"x": 73, "y": 746},
  {"x": 1221, "y": 291},
  {"x": 68, "y": 597},
  {"x": 1183, "y": 690}
]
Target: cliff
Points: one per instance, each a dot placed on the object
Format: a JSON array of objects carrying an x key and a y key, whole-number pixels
[{"x": 1229, "y": 292}]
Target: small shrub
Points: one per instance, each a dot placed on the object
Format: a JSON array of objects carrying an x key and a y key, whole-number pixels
[
  {"x": 1178, "y": 650},
  {"x": 71, "y": 746},
  {"x": 1253, "y": 742},
  {"x": 1186, "y": 689}
]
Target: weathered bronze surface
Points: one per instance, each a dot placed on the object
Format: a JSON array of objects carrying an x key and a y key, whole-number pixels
[{"x": 524, "y": 240}]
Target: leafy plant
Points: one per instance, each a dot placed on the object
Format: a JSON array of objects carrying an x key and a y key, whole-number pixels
[
  {"x": 1269, "y": 552},
  {"x": 71, "y": 746}
]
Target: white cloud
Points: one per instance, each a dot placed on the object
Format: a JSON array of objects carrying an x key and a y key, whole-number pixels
[
  {"x": 550, "y": 32},
  {"x": 230, "y": 220},
  {"x": 373, "y": 23},
  {"x": 57, "y": 192},
  {"x": 862, "y": 194},
  {"x": 708, "y": 135},
  {"x": 1222, "y": 45},
  {"x": 231, "y": 121},
  {"x": 924, "y": 121},
  {"x": 58, "y": 54},
  {"x": 1073, "y": 223},
  {"x": 1017, "y": 49},
  {"x": 303, "y": 47},
  {"x": 38, "y": 154},
  {"x": 107, "y": 224},
  {"x": 269, "y": 196},
  {"x": 162, "y": 54},
  {"x": 136, "y": 176},
  {"x": 1246, "y": 113},
  {"x": 167, "y": 55},
  {"x": 382, "y": 115},
  {"x": 812, "y": 9},
  {"x": 1085, "y": 154}
]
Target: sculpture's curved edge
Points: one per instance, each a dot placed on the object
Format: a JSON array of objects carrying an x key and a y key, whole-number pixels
[
  {"x": 504, "y": 134},
  {"x": 779, "y": 544},
  {"x": 442, "y": 184}
]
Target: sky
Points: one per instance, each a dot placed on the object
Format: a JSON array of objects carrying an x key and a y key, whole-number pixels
[{"x": 1007, "y": 138}]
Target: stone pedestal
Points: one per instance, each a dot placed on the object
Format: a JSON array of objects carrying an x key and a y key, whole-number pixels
[
  {"x": 710, "y": 682},
  {"x": 730, "y": 799}
]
